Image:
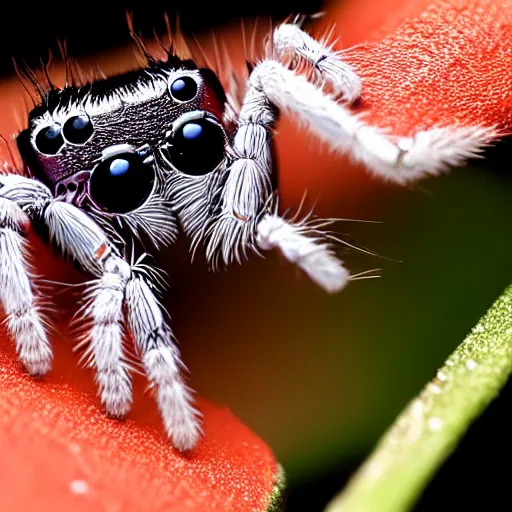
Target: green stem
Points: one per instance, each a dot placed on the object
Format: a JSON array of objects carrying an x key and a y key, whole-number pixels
[{"x": 428, "y": 430}]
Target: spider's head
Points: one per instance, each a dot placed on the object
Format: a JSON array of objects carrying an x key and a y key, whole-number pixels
[{"x": 97, "y": 144}]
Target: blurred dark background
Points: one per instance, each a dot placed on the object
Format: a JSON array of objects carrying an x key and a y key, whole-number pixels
[
  {"x": 94, "y": 26},
  {"x": 349, "y": 364}
]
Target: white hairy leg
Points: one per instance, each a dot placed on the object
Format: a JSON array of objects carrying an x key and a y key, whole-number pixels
[
  {"x": 162, "y": 364},
  {"x": 324, "y": 116},
  {"x": 289, "y": 40},
  {"x": 248, "y": 187},
  {"x": 23, "y": 319},
  {"x": 249, "y": 182},
  {"x": 117, "y": 287},
  {"x": 83, "y": 240},
  {"x": 305, "y": 247},
  {"x": 406, "y": 160},
  {"x": 105, "y": 337}
]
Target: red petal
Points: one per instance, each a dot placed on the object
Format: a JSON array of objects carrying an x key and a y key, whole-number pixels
[
  {"x": 432, "y": 63},
  {"x": 60, "y": 452}
]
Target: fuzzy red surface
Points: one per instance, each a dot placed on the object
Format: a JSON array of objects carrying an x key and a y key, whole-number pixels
[{"x": 432, "y": 63}]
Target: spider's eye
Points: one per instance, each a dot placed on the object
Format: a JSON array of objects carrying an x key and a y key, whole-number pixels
[
  {"x": 77, "y": 129},
  {"x": 122, "y": 182},
  {"x": 197, "y": 147},
  {"x": 184, "y": 88},
  {"x": 49, "y": 140}
]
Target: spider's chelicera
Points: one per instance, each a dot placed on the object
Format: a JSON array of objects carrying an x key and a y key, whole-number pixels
[{"x": 145, "y": 156}]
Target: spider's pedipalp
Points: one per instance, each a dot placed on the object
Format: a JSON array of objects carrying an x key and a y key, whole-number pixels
[
  {"x": 80, "y": 237},
  {"x": 119, "y": 286}
]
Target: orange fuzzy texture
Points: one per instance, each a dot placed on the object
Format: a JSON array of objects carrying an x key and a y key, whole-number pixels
[{"x": 433, "y": 63}]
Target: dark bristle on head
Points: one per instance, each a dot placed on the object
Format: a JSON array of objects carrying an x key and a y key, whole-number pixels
[
  {"x": 30, "y": 81},
  {"x": 177, "y": 56},
  {"x": 52, "y": 98}
]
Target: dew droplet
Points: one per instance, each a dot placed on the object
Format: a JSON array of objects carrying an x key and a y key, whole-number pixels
[{"x": 417, "y": 408}]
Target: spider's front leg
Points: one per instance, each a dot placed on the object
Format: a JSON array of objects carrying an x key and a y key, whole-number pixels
[
  {"x": 23, "y": 319},
  {"x": 246, "y": 219},
  {"x": 118, "y": 286},
  {"x": 162, "y": 364},
  {"x": 404, "y": 161}
]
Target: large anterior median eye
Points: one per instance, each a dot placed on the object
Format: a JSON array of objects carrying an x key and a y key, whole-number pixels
[
  {"x": 77, "y": 129},
  {"x": 197, "y": 147},
  {"x": 121, "y": 182},
  {"x": 49, "y": 140}
]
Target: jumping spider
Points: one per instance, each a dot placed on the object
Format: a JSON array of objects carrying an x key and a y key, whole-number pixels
[{"x": 146, "y": 155}]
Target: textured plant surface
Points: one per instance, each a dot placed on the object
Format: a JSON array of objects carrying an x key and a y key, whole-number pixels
[{"x": 430, "y": 427}]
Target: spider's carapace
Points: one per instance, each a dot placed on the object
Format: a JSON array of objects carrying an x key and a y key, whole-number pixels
[{"x": 95, "y": 145}]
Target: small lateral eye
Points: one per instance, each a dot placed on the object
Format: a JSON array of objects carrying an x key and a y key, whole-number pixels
[
  {"x": 184, "y": 88},
  {"x": 77, "y": 129},
  {"x": 49, "y": 140}
]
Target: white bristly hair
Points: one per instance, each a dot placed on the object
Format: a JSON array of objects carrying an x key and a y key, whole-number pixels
[
  {"x": 103, "y": 320},
  {"x": 162, "y": 363},
  {"x": 289, "y": 41}
]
